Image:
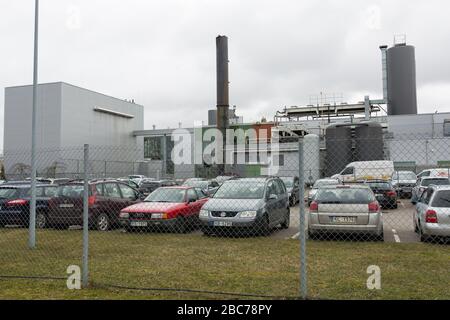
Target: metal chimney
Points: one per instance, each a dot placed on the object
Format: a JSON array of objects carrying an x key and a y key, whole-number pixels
[
  {"x": 385, "y": 73},
  {"x": 223, "y": 104}
]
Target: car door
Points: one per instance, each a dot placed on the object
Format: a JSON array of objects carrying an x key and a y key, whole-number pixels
[
  {"x": 282, "y": 201},
  {"x": 272, "y": 203},
  {"x": 194, "y": 204},
  {"x": 114, "y": 202}
]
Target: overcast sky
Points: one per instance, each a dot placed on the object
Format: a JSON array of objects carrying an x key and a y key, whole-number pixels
[{"x": 162, "y": 53}]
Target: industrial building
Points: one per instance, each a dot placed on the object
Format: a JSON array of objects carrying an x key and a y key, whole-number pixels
[{"x": 336, "y": 133}]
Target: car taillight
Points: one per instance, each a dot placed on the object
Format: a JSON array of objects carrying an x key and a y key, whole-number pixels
[
  {"x": 374, "y": 207},
  {"x": 431, "y": 216},
  {"x": 92, "y": 199},
  {"x": 314, "y": 207},
  {"x": 391, "y": 193},
  {"x": 18, "y": 202}
]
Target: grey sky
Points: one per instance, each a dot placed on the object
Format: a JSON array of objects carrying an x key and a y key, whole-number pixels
[{"x": 162, "y": 53}]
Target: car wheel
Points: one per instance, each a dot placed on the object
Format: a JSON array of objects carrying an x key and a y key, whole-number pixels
[
  {"x": 41, "y": 220},
  {"x": 287, "y": 220},
  {"x": 181, "y": 225},
  {"x": 103, "y": 223}
]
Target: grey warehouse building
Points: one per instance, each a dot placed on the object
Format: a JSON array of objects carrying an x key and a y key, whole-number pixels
[{"x": 67, "y": 118}]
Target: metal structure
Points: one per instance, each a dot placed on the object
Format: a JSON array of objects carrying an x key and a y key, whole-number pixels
[
  {"x": 339, "y": 148},
  {"x": 401, "y": 80},
  {"x": 369, "y": 142}
]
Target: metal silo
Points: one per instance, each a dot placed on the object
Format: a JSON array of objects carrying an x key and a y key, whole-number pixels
[
  {"x": 369, "y": 142},
  {"x": 311, "y": 156},
  {"x": 339, "y": 148},
  {"x": 401, "y": 80}
]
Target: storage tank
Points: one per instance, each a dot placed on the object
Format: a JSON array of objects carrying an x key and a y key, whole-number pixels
[
  {"x": 401, "y": 80},
  {"x": 311, "y": 158},
  {"x": 369, "y": 142},
  {"x": 339, "y": 148}
]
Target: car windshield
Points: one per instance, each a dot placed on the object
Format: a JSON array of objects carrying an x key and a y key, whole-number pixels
[
  {"x": 240, "y": 190},
  {"x": 288, "y": 182},
  {"x": 8, "y": 193},
  {"x": 437, "y": 182},
  {"x": 404, "y": 176},
  {"x": 322, "y": 183},
  {"x": 167, "y": 195},
  {"x": 344, "y": 196},
  {"x": 442, "y": 199}
]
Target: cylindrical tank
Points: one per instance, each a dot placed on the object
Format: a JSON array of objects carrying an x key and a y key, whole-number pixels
[
  {"x": 339, "y": 148},
  {"x": 311, "y": 157},
  {"x": 369, "y": 142},
  {"x": 401, "y": 79}
]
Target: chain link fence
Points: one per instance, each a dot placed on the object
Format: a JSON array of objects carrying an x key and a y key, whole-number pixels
[{"x": 298, "y": 221}]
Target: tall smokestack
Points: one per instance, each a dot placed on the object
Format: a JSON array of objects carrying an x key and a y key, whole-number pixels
[{"x": 223, "y": 103}]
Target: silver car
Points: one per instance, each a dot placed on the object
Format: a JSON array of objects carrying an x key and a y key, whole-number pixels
[
  {"x": 345, "y": 209},
  {"x": 256, "y": 205},
  {"x": 432, "y": 214},
  {"x": 320, "y": 183},
  {"x": 422, "y": 186},
  {"x": 404, "y": 182}
]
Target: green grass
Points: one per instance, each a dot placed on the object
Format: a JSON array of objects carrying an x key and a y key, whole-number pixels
[{"x": 260, "y": 266}]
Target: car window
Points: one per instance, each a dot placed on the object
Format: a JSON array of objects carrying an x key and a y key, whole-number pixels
[
  {"x": 201, "y": 194},
  {"x": 39, "y": 192},
  {"x": 271, "y": 188},
  {"x": 99, "y": 189},
  {"x": 111, "y": 190},
  {"x": 437, "y": 181},
  {"x": 428, "y": 196},
  {"x": 71, "y": 191},
  {"x": 127, "y": 192},
  {"x": 348, "y": 171},
  {"x": 8, "y": 193},
  {"x": 442, "y": 199},
  {"x": 344, "y": 196},
  {"x": 281, "y": 189},
  {"x": 192, "y": 195},
  {"x": 51, "y": 191}
]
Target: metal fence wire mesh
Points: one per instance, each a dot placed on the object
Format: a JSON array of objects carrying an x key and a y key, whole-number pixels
[{"x": 232, "y": 228}]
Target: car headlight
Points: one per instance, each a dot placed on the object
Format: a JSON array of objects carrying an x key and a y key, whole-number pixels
[
  {"x": 204, "y": 213},
  {"x": 248, "y": 214},
  {"x": 124, "y": 215}
]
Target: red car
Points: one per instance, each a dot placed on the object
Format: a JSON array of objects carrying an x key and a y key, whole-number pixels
[{"x": 169, "y": 208}]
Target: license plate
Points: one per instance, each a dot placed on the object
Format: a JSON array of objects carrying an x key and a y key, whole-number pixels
[
  {"x": 66, "y": 205},
  {"x": 139, "y": 223},
  {"x": 343, "y": 220},
  {"x": 223, "y": 224}
]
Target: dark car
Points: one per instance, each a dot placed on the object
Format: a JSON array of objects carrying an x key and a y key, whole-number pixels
[
  {"x": 15, "y": 203},
  {"x": 147, "y": 186},
  {"x": 170, "y": 208},
  {"x": 292, "y": 187},
  {"x": 385, "y": 193},
  {"x": 256, "y": 205},
  {"x": 106, "y": 200}
]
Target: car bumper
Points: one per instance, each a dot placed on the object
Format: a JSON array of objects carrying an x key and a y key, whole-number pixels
[
  {"x": 431, "y": 229},
  {"x": 212, "y": 222},
  {"x": 374, "y": 226},
  {"x": 14, "y": 217}
]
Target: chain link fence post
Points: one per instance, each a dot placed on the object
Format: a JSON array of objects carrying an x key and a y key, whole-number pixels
[
  {"x": 302, "y": 235},
  {"x": 85, "y": 275}
]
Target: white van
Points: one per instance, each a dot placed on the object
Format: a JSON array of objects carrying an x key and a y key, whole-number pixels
[
  {"x": 434, "y": 173},
  {"x": 366, "y": 170}
]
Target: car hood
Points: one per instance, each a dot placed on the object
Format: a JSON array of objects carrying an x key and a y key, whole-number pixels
[
  {"x": 152, "y": 207},
  {"x": 233, "y": 204}
]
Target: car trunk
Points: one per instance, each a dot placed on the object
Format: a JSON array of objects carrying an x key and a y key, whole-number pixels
[{"x": 343, "y": 213}]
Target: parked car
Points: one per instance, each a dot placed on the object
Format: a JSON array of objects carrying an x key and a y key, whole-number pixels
[
  {"x": 384, "y": 192},
  {"x": 106, "y": 200},
  {"x": 131, "y": 183},
  {"x": 222, "y": 179},
  {"x": 366, "y": 170},
  {"x": 433, "y": 173},
  {"x": 172, "y": 208},
  {"x": 252, "y": 204},
  {"x": 292, "y": 187},
  {"x": 147, "y": 186},
  {"x": 51, "y": 180},
  {"x": 423, "y": 184},
  {"x": 403, "y": 182},
  {"x": 208, "y": 186},
  {"x": 345, "y": 209},
  {"x": 317, "y": 185},
  {"x": 432, "y": 215},
  {"x": 15, "y": 203}
]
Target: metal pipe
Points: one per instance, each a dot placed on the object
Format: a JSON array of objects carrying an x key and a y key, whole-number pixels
[
  {"x": 85, "y": 273},
  {"x": 384, "y": 72},
  {"x": 302, "y": 227},
  {"x": 32, "y": 224}
]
